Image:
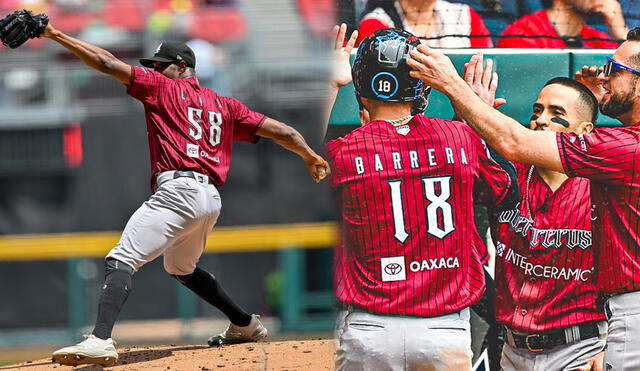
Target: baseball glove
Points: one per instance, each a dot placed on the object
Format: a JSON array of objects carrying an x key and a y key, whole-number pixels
[{"x": 20, "y": 26}]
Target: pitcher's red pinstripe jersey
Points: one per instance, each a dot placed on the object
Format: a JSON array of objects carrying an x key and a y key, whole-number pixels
[
  {"x": 409, "y": 244},
  {"x": 544, "y": 256},
  {"x": 610, "y": 158},
  {"x": 191, "y": 127}
]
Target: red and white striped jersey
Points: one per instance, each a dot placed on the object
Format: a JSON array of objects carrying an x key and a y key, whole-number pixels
[{"x": 409, "y": 244}]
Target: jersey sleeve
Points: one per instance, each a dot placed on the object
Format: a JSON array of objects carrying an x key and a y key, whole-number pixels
[
  {"x": 603, "y": 154},
  {"x": 478, "y": 28},
  {"x": 494, "y": 183},
  {"x": 245, "y": 121},
  {"x": 146, "y": 85},
  {"x": 333, "y": 146},
  {"x": 332, "y": 150}
]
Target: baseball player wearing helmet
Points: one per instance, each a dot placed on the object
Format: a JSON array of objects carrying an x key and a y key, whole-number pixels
[
  {"x": 407, "y": 267},
  {"x": 608, "y": 157},
  {"x": 545, "y": 295},
  {"x": 191, "y": 131}
]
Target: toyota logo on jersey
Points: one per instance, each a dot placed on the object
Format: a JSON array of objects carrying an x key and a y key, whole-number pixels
[{"x": 393, "y": 269}]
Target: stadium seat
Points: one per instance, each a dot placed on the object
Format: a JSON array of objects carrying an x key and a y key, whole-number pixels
[
  {"x": 631, "y": 9},
  {"x": 318, "y": 15},
  {"x": 124, "y": 13},
  {"x": 8, "y": 6},
  {"x": 509, "y": 7},
  {"x": 71, "y": 21},
  {"x": 496, "y": 21},
  {"x": 528, "y": 7},
  {"x": 217, "y": 24}
]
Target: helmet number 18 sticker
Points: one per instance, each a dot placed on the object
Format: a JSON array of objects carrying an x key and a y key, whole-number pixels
[{"x": 384, "y": 85}]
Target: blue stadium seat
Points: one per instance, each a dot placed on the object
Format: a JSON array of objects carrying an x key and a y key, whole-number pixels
[
  {"x": 528, "y": 7},
  {"x": 496, "y": 22},
  {"x": 631, "y": 9},
  {"x": 509, "y": 7}
]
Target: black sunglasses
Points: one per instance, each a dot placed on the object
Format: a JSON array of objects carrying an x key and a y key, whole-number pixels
[
  {"x": 612, "y": 67},
  {"x": 161, "y": 66}
]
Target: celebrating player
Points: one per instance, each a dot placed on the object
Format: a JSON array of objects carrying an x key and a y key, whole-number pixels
[
  {"x": 545, "y": 295},
  {"x": 608, "y": 157},
  {"x": 191, "y": 131},
  {"x": 407, "y": 267}
]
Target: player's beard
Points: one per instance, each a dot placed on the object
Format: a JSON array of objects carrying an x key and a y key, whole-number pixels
[{"x": 619, "y": 104}]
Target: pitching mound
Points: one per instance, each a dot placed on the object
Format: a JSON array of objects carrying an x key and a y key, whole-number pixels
[{"x": 284, "y": 355}]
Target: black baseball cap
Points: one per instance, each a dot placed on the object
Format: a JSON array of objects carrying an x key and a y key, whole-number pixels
[{"x": 171, "y": 51}]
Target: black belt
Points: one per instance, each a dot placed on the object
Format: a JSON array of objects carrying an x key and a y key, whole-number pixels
[
  {"x": 193, "y": 175},
  {"x": 549, "y": 340}
]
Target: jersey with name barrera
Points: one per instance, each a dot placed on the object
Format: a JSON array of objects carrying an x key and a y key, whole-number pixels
[
  {"x": 544, "y": 257},
  {"x": 191, "y": 127},
  {"x": 409, "y": 245},
  {"x": 610, "y": 158}
]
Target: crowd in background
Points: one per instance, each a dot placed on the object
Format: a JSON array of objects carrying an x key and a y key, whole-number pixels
[
  {"x": 112, "y": 21},
  {"x": 474, "y": 23},
  {"x": 503, "y": 23}
]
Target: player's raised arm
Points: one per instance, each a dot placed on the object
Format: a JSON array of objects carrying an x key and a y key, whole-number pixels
[
  {"x": 340, "y": 67},
  {"x": 93, "y": 56},
  {"x": 484, "y": 82},
  {"x": 500, "y": 131},
  {"x": 289, "y": 138}
]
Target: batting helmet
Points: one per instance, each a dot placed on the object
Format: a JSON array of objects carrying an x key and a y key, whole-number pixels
[{"x": 380, "y": 69}]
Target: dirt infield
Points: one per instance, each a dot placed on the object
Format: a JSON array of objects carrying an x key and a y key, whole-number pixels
[{"x": 282, "y": 355}]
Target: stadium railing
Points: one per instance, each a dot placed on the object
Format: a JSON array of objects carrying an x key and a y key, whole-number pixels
[
  {"x": 522, "y": 72},
  {"x": 301, "y": 309}
]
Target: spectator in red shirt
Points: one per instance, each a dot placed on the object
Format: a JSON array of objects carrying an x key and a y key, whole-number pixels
[
  {"x": 427, "y": 18},
  {"x": 564, "y": 21}
]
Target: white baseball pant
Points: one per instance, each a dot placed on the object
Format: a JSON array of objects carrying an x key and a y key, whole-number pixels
[
  {"x": 174, "y": 222},
  {"x": 380, "y": 342},
  {"x": 623, "y": 338}
]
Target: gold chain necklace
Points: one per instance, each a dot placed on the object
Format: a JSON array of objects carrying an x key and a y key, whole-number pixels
[{"x": 398, "y": 121}]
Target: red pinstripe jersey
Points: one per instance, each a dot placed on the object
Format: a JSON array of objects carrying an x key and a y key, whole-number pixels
[
  {"x": 409, "y": 244},
  {"x": 544, "y": 256},
  {"x": 189, "y": 126},
  {"x": 610, "y": 158}
]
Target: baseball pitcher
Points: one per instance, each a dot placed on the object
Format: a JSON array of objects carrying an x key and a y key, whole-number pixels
[{"x": 191, "y": 130}]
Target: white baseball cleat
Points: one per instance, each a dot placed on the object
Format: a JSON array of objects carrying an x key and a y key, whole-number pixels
[
  {"x": 254, "y": 331},
  {"x": 92, "y": 350}
]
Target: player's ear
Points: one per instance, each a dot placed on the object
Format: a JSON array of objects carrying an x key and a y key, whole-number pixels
[
  {"x": 584, "y": 127},
  {"x": 182, "y": 67}
]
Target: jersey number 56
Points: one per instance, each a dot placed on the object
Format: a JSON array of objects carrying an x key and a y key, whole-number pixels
[{"x": 215, "y": 122}]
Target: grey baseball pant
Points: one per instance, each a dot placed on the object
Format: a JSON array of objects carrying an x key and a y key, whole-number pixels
[
  {"x": 174, "y": 222},
  {"x": 378, "y": 342},
  {"x": 623, "y": 338},
  {"x": 561, "y": 358}
]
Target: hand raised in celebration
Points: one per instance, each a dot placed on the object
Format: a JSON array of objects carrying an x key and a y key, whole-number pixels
[
  {"x": 341, "y": 69},
  {"x": 483, "y": 81}
]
